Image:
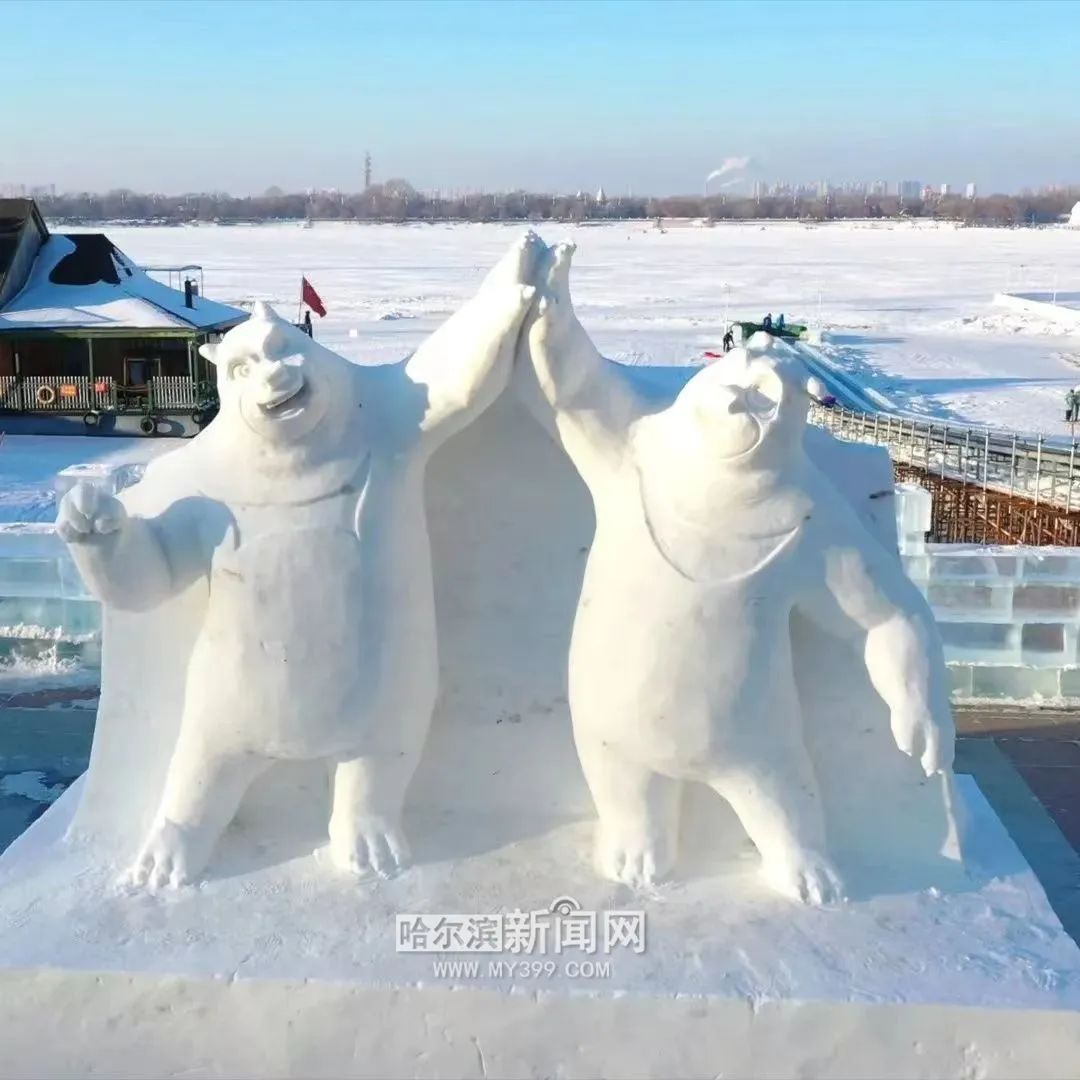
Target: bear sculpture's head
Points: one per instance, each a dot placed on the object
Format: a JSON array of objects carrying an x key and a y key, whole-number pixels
[
  {"x": 747, "y": 410},
  {"x": 723, "y": 487},
  {"x": 278, "y": 383},
  {"x": 290, "y": 426}
]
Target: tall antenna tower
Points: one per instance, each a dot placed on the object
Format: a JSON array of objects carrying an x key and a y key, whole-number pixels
[{"x": 367, "y": 170}]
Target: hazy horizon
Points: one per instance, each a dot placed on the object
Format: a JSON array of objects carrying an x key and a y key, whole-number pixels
[{"x": 633, "y": 96}]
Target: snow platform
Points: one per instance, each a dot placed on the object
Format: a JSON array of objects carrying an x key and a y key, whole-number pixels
[
  {"x": 278, "y": 966},
  {"x": 284, "y": 968}
]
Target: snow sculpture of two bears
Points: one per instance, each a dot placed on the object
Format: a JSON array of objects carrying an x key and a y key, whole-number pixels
[
  {"x": 302, "y": 506},
  {"x": 712, "y": 526}
]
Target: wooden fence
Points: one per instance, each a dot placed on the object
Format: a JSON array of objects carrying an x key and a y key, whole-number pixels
[
  {"x": 57, "y": 394},
  {"x": 172, "y": 393},
  {"x": 81, "y": 394}
]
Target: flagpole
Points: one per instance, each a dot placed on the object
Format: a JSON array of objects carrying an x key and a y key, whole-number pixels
[{"x": 300, "y": 305}]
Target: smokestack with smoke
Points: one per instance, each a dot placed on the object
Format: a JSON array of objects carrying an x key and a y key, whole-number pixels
[{"x": 732, "y": 171}]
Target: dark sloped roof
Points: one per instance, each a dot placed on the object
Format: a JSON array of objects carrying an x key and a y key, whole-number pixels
[
  {"x": 17, "y": 210},
  {"x": 14, "y": 214},
  {"x": 82, "y": 281}
]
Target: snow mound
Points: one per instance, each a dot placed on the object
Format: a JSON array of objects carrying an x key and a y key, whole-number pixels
[{"x": 1008, "y": 323}]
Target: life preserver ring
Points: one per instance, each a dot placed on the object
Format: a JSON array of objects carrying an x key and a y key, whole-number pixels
[{"x": 45, "y": 395}]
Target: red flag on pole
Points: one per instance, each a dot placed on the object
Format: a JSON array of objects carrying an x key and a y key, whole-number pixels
[{"x": 310, "y": 297}]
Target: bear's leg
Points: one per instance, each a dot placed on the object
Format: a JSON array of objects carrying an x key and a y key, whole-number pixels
[
  {"x": 203, "y": 790},
  {"x": 365, "y": 823},
  {"x": 778, "y": 803},
  {"x": 638, "y": 831}
]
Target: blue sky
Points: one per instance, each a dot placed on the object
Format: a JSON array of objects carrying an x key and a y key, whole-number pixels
[{"x": 464, "y": 95}]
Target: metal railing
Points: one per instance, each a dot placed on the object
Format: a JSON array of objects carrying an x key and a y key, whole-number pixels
[{"x": 1033, "y": 468}]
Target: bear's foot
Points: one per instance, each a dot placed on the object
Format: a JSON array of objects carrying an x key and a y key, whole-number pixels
[
  {"x": 171, "y": 856},
  {"x": 370, "y": 847},
  {"x": 636, "y": 861},
  {"x": 805, "y": 876}
]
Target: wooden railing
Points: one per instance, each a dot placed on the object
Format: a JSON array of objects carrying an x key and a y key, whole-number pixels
[
  {"x": 57, "y": 394},
  {"x": 9, "y": 393},
  {"x": 81, "y": 394},
  {"x": 172, "y": 393}
]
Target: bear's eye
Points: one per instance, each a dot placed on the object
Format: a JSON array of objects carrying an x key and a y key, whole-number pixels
[{"x": 238, "y": 369}]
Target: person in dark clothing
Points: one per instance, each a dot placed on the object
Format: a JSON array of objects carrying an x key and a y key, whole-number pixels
[
  {"x": 780, "y": 323},
  {"x": 766, "y": 323},
  {"x": 729, "y": 341},
  {"x": 1072, "y": 406}
]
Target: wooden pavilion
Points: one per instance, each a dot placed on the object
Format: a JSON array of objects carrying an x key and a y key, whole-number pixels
[{"x": 90, "y": 342}]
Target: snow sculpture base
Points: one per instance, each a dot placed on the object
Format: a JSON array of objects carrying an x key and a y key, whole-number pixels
[{"x": 281, "y": 971}]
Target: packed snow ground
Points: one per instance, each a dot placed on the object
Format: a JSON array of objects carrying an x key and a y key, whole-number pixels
[
  {"x": 29, "y": 464},
  {"x": 909, "y": 306}
]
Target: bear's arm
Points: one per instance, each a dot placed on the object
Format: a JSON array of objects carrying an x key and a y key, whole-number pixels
[
  {"x": 465, "y": 365},
  {"x": 866, "y": 592},
  {"x": 146, "y": 561},
  {"x": 578, "y": 397}
]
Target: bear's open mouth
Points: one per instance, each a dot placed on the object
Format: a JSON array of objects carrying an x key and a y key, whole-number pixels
[{"x": 286, "y": 403}]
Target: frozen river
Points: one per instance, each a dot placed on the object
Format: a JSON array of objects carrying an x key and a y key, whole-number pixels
[{"x": 909, "y": 307}]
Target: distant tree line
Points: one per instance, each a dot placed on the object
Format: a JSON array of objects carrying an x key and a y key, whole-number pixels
[{"x": 399, "y": 201}]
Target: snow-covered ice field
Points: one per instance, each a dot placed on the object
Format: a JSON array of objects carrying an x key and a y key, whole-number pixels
[{"x": 909, "y": 305}]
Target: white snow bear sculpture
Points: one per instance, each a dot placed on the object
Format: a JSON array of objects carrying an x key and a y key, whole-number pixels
[
  {"x": 712, "y": 526},
  {"x": 302, "y": 508}
]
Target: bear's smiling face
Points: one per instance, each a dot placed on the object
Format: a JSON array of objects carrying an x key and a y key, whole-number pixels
[
  {"x": 281, "y": 386},
  {"x": 274, "y": 396}
]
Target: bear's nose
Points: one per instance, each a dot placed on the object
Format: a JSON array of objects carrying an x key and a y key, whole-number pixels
[{"x": 275, "y": 373}]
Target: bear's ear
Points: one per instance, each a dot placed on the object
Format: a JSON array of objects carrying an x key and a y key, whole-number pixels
[{"x": 209, "y": 352}]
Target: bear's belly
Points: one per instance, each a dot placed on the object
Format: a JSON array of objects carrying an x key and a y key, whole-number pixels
[
  {"x": 281, "y": 654},
  {"x": 679, "y": 676}
]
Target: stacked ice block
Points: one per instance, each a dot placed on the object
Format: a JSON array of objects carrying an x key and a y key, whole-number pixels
[
  {"x": 1009, "y": 616},
  {"x": 44, "y": 609}
]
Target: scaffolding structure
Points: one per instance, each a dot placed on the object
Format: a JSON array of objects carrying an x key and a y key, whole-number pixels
[{"x": 988, "y": 487}]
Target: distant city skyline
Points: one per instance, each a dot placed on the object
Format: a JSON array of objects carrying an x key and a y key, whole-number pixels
[
  {"x": 904, "y": 189},
  {"x": 474, "y": 95}
]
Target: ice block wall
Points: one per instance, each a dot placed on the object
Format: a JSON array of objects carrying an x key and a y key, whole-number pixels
[
  {"x": 44, "y": 610},
  {"x": 1009, "y": 616}
]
